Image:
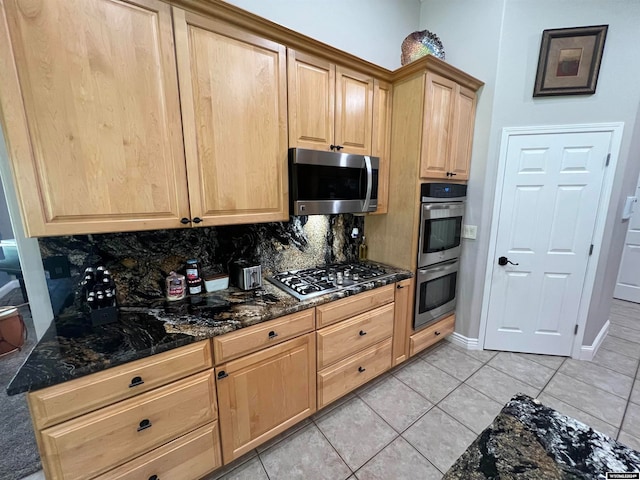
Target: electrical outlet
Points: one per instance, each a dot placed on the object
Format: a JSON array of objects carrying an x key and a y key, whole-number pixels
[{"x": 469, "y": 231}]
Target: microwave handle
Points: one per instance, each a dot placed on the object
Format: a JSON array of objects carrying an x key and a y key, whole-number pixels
[{"x": 367, "y": 163}]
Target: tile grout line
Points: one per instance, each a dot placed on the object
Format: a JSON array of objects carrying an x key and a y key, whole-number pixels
[
  {"x": 331, "y": 444},
  {"x": 626, "y": 407}
]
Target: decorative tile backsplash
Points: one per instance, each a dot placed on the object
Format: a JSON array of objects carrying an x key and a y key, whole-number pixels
[{"x": 139, "y": 261}]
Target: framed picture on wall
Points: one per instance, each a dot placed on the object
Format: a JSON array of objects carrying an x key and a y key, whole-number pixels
[{"x": 569, "y": 61}]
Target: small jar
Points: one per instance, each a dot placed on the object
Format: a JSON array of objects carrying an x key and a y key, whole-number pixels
[
  {"x": 193, "y": 269},
  {"x": 176, "y": 287},
  {"x": 195, "y": 286}
]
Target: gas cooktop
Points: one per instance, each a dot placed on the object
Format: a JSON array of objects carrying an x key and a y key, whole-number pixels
[{"x": 313, "y": 282}]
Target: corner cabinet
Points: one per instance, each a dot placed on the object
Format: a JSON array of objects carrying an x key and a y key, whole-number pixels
[
  {"x": 234, "y": 112},
  {"x": 330, "y": 107},
  {"x": 264, "y": 393},
  {"x": 92, "y": 115},
  {"x": 448, "y": 129}
]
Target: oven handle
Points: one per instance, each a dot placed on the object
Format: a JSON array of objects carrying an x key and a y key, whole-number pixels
[
  {"x": 367, "y": 201},
  {"x": 442, "y": 268}
]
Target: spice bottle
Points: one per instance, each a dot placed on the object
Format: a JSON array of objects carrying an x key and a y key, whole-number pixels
[
  {"x": 176, "y": 288},
  {"x": 363, "y": 249}
]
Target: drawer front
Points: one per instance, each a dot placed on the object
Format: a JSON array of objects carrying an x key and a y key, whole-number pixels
[
  {"x": 70, "y": 399},
  {"x": 348, "y": 307},
  {"x": 190, "y": 456},
  {"x": 349, "y": 336},
  {"x": 94, "y": 443},
  {"x": 257, "y": 337},
  {"x": 349, "y": 374},
  {"x": 430, "y": 335}
]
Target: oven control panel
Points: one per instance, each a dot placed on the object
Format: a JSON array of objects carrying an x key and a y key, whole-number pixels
[{"x": 442, "y": 191}]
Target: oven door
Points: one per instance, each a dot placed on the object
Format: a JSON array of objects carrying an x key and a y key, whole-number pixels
[
  {"x": 435, "y": 292},
  {"x": 440, "y": 231}
]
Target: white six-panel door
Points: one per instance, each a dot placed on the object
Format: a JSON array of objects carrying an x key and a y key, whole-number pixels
[
  {"x": 628, "y": 285},
  {"x": 550, "y": 196}
]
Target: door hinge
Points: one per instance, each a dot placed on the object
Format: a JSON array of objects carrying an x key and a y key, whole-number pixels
[
  {"x": 591, "y": 250},
  {"x": 608, "y": 160},
  {"x": 575, "y": 330}
]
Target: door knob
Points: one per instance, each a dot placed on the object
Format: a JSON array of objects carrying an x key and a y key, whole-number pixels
[{"x": 502, "y": 261}]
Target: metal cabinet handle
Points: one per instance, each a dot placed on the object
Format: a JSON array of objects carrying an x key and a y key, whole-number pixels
[
  {"x": 222, "y": 374},
  {"x": 197, "y": 220},
  {"x": 362, "y": 333},
  {"x": 339, "y": 147},
  {"x": 360, "y": 369},
  {"x": 332, "y": 147},
  {"x": 185, "y": 220},
  {"x": 399, "y": 286},
  {"x": 144, "y": 424},
  {"x": 135, "y": 381},
  {"x": 272, "y": 334},
  {"x": 436, "y": 333},
  {"x": 154, "y": 477}
]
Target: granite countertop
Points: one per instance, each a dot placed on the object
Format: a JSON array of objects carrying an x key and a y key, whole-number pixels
[
  {"x": 528, "y": 440},
  {"x": 72, "y": 347}
]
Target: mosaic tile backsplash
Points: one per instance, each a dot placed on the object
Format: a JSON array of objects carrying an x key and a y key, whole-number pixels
[{"x": 140, "y": 261}]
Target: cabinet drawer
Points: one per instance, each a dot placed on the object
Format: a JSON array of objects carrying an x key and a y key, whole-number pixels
[
  {"x": 348, "y": 307},
  {"x": 430, "y": 335},
  {"x": 190, "y": 456},
  {"x": 94, "y": 443},
  {"x": 344, "y": 376},
  {"x": 257, "y": 337},
  {"x": 345, "y": 338},
  {"x": 70, "y": 399}
]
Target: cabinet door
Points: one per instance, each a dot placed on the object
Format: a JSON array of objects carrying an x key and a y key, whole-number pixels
[
  {"x": 354, "y": 111},
  {"x": 265, "y": 393},
  {"x": 311, "y": 83},
  {"x": 91, "y": 114},
  {"x": 381, "y": 139},
  {"x": 462, "y": 138},
  {"x": 403, "y": 320},
  {"x": 233, "y": 92},
  {"x": 440, "y": 96}
]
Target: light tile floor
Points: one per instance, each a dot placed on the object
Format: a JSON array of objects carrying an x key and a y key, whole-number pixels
[{"x": 415, "y": 421}]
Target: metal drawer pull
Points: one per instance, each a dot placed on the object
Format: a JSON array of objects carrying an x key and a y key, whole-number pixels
[
  {"x": 222, "y": 374},
  {"x": 144, "y": 424},
  {"x": 135, "y": 381},
  {"x": 272, "y": 334},
  {"x": 436, "y": 333},
  {"x": 360, "y": 369},
  {"x": 154, "y": 477},
  {"x": 362, "y": 333}
]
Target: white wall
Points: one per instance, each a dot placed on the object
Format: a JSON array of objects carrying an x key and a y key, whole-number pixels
[
  {"x": 617, "y": 99},
  {"x": 370, "y": 29}
]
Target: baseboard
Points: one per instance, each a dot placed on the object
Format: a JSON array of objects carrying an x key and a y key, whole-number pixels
[
  {"x": 464, "y": 342},
  {"x": 587, "y": 352},
  {"x": 7, "y": 287}
]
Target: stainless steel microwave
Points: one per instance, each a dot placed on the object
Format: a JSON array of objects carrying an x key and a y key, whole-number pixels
[{"x": 330, "y": 182}]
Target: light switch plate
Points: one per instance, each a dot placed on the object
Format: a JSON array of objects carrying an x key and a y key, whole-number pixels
[{"x": 469, "y": 231}]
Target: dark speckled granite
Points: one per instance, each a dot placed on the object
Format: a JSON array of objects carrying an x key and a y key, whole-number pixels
[
  {"x": 72, "y": 348},
  {"x": 528, "y": 440}
]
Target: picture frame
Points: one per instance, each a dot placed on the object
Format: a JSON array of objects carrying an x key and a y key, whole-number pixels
[{"x": 569, "y": 61}]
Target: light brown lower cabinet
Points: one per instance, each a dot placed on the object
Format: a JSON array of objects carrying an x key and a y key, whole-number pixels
[
  {"x": 262, "y": 394},
  {"x": 402, "y": 320},
  {"x": 348, "y": 374},
  {"x": 431, "y": 335},
  {"x": 191, "y": 456},
  {"x": 94, "y": 443}
]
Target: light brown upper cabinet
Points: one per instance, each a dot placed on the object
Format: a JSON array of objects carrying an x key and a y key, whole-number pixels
[
  {"x": 448, "y": 129},
  {"x": 382, "y": 108},
  {"x": 233, "y": 93},
  {"x": 330, "y": 107},
  {"x": 90, "y": 110}
]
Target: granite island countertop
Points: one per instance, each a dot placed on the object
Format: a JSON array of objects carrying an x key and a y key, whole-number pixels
[
  {"x": 529, "y": 440},
  {"x": 72, "y": 347}
]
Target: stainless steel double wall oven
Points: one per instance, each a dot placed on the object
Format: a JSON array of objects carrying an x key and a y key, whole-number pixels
[{"x": 441, "y": 215}]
